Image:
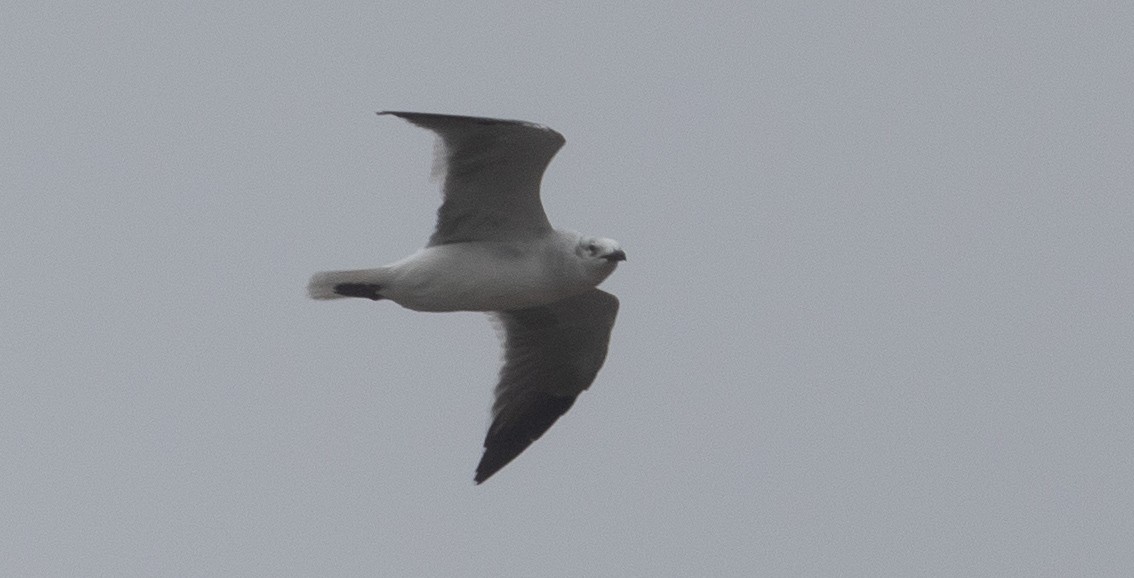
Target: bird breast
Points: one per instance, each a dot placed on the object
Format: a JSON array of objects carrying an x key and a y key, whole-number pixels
[{"x": 480, "y": 277}]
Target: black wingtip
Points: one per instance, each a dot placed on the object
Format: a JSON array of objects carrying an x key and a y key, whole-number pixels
[
  {"x": 514, "y": 429},
  {"x": 434, "y": 121},
  {"x": 398, "y": 113}
]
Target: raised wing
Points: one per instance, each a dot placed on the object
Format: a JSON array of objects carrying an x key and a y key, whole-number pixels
[
  {"x": 492, "y": 173},
  {"x": 551, "y": 354}
]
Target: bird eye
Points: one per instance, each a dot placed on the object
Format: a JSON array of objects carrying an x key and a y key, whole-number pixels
[{"x": 591, "y": 248}]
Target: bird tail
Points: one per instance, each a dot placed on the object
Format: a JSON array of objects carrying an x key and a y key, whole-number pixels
[{"x": 338, "y": 284}]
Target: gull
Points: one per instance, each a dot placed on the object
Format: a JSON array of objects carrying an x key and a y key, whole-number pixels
[{"x": 494, "y": 250}]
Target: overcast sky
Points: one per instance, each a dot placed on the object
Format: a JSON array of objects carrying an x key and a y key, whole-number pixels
[{"x": 876, "y": 317}]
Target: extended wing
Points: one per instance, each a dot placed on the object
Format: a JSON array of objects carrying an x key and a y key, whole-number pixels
[
  {"x": 551, "y": 354},
  {"x": 492, "y": 173}
]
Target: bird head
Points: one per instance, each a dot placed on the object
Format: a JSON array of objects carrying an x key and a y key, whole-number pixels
[{"x": 599, "y": 256}]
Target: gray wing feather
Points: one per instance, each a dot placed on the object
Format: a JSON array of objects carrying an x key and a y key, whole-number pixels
[
  {"x": 551, "y": 354},
  {"x": 492, "y": 173}
]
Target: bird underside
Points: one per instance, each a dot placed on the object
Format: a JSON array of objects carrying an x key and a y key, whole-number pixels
[{"x": 493, "y": 249}]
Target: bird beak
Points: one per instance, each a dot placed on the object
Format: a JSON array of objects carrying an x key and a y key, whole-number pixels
[{"x": 618, "y": 255}]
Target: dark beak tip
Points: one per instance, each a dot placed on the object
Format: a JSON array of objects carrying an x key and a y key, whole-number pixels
[{"x": 616, "y": 256}]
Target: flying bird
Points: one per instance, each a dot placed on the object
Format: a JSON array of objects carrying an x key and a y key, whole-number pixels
[{"x": 494, "y": 250}]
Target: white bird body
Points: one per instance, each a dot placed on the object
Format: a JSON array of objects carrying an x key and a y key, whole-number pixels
[
  {"x": 494, "y": 250},
  {"x": 478, "y": 276}
]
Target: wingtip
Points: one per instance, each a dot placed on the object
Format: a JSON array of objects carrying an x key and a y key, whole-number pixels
[
  {"x": 415, "y": 118},
  {"x": 483, "y": 472},
  {"x": 429, "y": 119},
  {"x": 508, "y": 437},
  {"x": 488, "y": 467}
]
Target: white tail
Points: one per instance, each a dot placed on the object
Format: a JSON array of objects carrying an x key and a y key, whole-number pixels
[{"x": 322, "y": 285}]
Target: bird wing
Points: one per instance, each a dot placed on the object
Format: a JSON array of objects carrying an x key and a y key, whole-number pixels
[
  {"x": 551, "y": 354},
  {"x": 492, "y": 171}
]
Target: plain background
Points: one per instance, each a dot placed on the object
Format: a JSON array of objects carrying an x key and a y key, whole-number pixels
[{"x": 876, "y": 318}]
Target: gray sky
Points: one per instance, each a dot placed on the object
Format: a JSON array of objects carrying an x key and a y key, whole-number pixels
[{"x": 876, "y": 317}]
